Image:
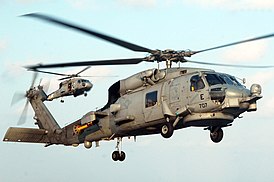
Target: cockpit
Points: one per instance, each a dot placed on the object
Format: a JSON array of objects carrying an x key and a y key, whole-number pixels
[
  {"x": 225, "y": 85},
  {"x": 85, "y": 84},
  {"x": 197, "y": 82},
  {"x": 81, "y": 81},
  {"x": 221, "y": 78}
]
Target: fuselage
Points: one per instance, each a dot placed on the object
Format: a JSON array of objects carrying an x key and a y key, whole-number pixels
[
  {"x": 140, "y": 104},
  {"x": 150, "y": 102},
  {"x": 73, "y": 86}
]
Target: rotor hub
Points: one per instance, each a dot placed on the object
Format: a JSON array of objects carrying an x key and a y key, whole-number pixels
[{"x": 169, "y": 55}]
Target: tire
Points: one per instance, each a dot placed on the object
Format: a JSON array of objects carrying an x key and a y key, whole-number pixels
[
  {"x": 115, "y": 155},
  {"x": 216, "y": 135},
  {"x": 122, "y": 156},
  {"x": 167, "y": 130}
]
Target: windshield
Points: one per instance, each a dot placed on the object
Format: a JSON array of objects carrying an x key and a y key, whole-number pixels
[
  {"x": 235, "y": 81},
  {"x": 218, "y": 78},
  {"x": 214, "y": 79}
]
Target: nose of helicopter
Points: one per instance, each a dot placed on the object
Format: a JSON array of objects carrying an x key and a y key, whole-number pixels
[
  {"x": 242, "y": 98},
  {"x": 236, "y": 92},
  {"x": 88, "y": 85}
]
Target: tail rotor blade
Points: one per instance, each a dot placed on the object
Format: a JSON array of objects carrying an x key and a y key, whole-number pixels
[
  {"x": 35, "y": 75},
  {"x": 17, "y": 97},
  {"x": 40, "y": 81},
  {"x": 23, "y": 116},
  {"x": 46, "y": 86}
]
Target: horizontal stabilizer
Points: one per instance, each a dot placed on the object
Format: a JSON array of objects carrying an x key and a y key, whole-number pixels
[{"x": 26, "y": 135}]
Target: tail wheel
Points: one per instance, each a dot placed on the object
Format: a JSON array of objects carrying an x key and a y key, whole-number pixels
[
  {"x": 216, "y": 135},
  {"x": 167, "y": 130}
]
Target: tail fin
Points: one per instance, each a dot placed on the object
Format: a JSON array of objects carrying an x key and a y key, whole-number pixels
[
  {"x": 49, "y": 132},
  {"x": 42, "y": 115}
]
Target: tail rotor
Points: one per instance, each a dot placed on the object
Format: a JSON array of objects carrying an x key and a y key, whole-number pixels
[{"x": 20, "y": 96}]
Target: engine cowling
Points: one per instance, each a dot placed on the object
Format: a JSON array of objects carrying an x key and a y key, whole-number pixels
[{"x": 149, "y": 77}]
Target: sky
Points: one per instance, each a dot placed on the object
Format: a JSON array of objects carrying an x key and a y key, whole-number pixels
[{"x": 246, "y": 152}]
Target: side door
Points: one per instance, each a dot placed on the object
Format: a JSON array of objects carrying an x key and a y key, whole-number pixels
[{"x": 152, "y": 103}]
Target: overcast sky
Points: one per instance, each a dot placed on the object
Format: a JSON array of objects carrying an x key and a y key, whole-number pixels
[{"x": 247, "y": 150}]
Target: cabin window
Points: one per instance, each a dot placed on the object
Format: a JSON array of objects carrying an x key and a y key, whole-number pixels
[
  {"x": 196, "y": 83},
  {"x": 151, "y": 99}
]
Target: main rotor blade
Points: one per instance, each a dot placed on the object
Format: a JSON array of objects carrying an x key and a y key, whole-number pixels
[
  {"x": 235, "y": 43},
  {"x": 89, "y": 76},
  {"x": 48, "y": 72},
  {"x": 230, "y": 65},
  {"x": 68, "y": 77},
  {"x": 83, "y": 70},
  {"x": 89, "y": 63},
  {"x": 99, "y": 76},
  {"x": 113, "y": 40}
]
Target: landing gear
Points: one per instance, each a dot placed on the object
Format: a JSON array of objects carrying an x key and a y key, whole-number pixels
[
  {"x": 167, "y": 129},
  {"x": 118, "y": 155},
  {"x": 216, "y": 134},
  {"x": 85, "y": 94}
]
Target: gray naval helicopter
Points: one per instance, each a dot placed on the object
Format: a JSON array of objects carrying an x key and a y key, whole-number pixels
[
  {"x": 72, "y": 85},
  {"x": 154, "y": 101}
]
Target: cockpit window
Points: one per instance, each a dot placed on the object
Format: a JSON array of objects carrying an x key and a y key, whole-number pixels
[
  {"x": 214, "y": 79},
  {"x": 226, "y": 79},
  {"x": 196, "y": 83},
  {"x": 235, "y": 81},
  {"x": 219, "y": 78}
]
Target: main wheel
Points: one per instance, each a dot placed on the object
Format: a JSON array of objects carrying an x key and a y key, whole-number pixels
[
  {"x": 115, "y": 155},
  {"x": 216, "y": 135},
  {"x": 167, "y": 130},
  {"x": 122, "y": 156}
]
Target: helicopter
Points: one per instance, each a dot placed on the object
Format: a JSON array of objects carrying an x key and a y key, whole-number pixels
[
  {"x": 72, "y": 85},
  {"x": 153, "y": 101}
]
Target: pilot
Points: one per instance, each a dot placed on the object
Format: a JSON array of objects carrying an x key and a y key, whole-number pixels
[{"x": 197, "y": 84}]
